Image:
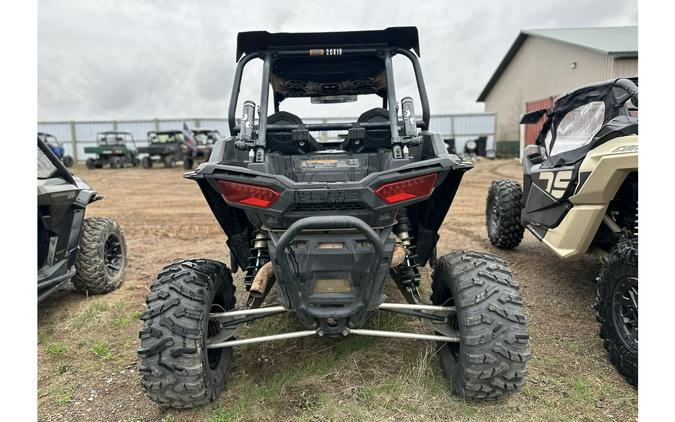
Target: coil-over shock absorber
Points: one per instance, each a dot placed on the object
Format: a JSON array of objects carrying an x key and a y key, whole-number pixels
[
  {"x": 407, "y": 275},
  {"x": 257, "y": 257}
]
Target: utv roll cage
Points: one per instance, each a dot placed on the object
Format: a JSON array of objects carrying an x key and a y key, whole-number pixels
[
  {"x": 309, "y": 57},
  {"x": 118, "y": 138}
]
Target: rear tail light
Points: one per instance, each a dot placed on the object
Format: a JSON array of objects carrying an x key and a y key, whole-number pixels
[
  {"x": 403, "y": 190},
  {"x": 241, "y": 193}
]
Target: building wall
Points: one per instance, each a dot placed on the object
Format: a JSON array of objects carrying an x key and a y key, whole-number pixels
[{"x": 542, "y": 68}]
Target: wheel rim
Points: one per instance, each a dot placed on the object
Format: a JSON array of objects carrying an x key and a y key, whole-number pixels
[
  {"x": 493, "y": 216},
  {"x": 112, "y": 254},
  {"x": 625, "y": 310}
]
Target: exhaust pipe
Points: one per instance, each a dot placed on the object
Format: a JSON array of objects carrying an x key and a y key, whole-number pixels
[
  {"x": 262, "y": 277},
  {"x": 398, "y": 255}
]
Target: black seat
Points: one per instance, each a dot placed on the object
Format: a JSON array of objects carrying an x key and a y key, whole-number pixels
[
  {"x": 376, "y": 138},
  {"x": 282, "y": 142}
]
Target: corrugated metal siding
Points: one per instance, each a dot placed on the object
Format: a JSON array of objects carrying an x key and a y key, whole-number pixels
[
  {"x": 531, "y": 131},
  {"x": 543, "y": 68},
  {"x": 218, "y": 124}
]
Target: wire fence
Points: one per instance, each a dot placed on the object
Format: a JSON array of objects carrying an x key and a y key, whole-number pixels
[{"x": 76, "y": 135}]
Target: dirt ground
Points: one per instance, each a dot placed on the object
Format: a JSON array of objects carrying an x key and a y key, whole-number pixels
[{"x": 88, "y": 368}]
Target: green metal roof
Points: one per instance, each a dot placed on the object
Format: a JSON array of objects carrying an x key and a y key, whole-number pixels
[{"x": 617, "y": 41}]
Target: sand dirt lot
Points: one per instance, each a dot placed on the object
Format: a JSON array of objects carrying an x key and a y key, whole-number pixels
[{"x": 88, "y": 368}]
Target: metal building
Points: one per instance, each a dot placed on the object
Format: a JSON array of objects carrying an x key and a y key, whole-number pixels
[{"x": 545, "y": 63}]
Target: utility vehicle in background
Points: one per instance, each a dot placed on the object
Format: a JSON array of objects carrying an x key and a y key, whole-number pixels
[
  {"x": 165, "y": 146},
  {"x": 57, "y": 148},
  {"x": 205, "y": 139},
  {"x": 90, "y": 252},
  {"x": 328, "y": 223},
  {"x": 113, "y": 148},
  {"x": 579, "y": 196}
]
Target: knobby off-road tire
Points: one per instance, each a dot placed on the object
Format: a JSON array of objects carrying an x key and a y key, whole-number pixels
[
  {"x": 147, "y": 162},
  {"x": 177, "y": 369},
  {"x": 91, "y": 163},
  {"x": 68, "y": 161},
  {"x": 502, "y": 214},
  {"x": 616, "y": 306},
  {"x": 188, "y": 163},
  {"x": 115, "y": 162},
  {"x": 102, "y": 260},
  {"x": 169, "y": 162},
  {"x": 490, "y": 361}
]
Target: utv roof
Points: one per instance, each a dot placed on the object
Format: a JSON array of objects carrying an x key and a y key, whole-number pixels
[
  {"x": 166, "y": 131},
  {"x": 204, "y": 129},
  {"x": 258, "y": 41}
]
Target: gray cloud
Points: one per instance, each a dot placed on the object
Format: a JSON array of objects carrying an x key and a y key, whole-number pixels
[{"x": 129, "y": 59}]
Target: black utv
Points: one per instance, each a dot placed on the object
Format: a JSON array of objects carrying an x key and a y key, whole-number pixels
[
  {"x": 164, "y": 147},
  {"x": 89, "y": 252},
  {"x": 329, "y": 224}
]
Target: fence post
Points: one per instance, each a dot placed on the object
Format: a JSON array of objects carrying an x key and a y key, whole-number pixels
[
  {"x": 157, "y": 125},
  {"x": 198, "y": 123},
  {"x": 114, "y": 123},
  {"x": 73, "y": 138}
]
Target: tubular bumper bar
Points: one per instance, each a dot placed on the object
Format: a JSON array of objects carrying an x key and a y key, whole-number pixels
[
  {"x": 271, "y": 310},
  {"x": 331, "y": 222}
]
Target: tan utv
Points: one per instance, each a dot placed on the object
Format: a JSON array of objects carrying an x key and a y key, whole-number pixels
[{"x": 580, "y": 196}]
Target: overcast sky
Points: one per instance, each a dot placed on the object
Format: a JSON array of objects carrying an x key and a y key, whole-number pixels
[{"x": 132, "y": 59}]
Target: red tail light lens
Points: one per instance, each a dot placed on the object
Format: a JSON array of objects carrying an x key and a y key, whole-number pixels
[
  {"x": 403, "y": 190},
  {"x": 255, "y": 196}
]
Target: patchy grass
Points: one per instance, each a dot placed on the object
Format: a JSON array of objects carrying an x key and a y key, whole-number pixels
[
  {"x": 101, "y": 350},
  {"x": 56, "y": 349},
  {"x": 89, "y": 315},
  {"x": 64, "y": 398},
  {"x": 62, "y": 368}
]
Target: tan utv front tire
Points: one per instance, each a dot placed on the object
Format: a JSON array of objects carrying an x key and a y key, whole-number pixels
[
  {"x": 617, "y": 308},
  {"x": 502, "y": 214}
]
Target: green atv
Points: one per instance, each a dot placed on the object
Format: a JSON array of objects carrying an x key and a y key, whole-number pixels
[{"x": 112, "y": 148}]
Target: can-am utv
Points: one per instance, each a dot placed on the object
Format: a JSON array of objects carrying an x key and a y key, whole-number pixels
[
  {"x": 205, "y": 139},
  {"x": 89, "y": 252},
  {"x": 580, "y": 195},
  {"x": 326, "y": 223},
  {"x": 117, "y": 149},
  {"x": 57, "y": 148}
]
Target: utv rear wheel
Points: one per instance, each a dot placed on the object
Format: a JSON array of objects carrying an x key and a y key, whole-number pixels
[
  {"x": 169, "y": 162},
  {"x": 177, "y": 368},
  {"x": 102, "y": 260},
  {"x": 188, "y": 163},
  {"x": 147, "y": 162},
  {"x": 115, "y": 162},
  {"x": 617, "y": 308},
  {"x": 489, "y": 362},
  {"x": 68, "y": 161},
  {"x": 502, "y": 214},
  {"x": 91, "y": 163}
]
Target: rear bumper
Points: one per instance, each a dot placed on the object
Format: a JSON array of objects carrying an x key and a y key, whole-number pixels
[{"x": 331, "y": 270}]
